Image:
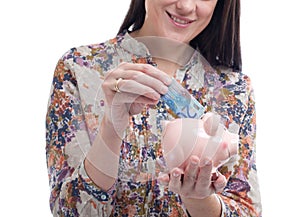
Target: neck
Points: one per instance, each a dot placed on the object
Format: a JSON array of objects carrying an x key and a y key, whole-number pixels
[
  {"x": 166, "y": 66},
  {"x": 167, "y": 49},
  {"x": 169, "y": 54}
]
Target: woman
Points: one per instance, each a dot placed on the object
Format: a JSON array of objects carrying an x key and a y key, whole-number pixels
[{"x": 105, "y": 116}]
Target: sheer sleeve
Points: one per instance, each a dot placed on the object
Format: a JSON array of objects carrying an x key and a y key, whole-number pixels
[
  {"x": 67, "y": 140},
  {"x": 241, "y": 197}
]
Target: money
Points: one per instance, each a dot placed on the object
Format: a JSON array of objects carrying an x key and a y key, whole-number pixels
[{"x": 182, "y": 103}]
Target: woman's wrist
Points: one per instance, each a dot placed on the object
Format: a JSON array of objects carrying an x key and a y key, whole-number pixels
[
  {"x": 102, "y": 160},
  {"x": 207, "y": 207},
  {"x": 109, "y": 135},
  {"x": 113, "y": 127}
]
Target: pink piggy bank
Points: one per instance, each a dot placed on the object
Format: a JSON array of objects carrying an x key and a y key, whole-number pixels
[{"x": 205, "y": 137}]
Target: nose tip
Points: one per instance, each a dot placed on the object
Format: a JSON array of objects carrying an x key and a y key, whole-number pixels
[{"x": 186, "y": 6}]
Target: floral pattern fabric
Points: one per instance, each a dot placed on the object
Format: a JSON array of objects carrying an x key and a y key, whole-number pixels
[{"x": 75, "y": 110}]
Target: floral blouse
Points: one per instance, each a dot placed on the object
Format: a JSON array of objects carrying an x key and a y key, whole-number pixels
[{"x": 76, "y": 107}]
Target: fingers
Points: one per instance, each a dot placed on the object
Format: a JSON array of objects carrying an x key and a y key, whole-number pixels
[
  {"x": 130, "y": 98},
  {"x": 204, "y": 178},
  {"x": 164, "y": 179},
  {"x": 140, "y": 84},
  {"x": 191, "y": 173},
  {"x": 195, "y": 181},
  {"x": 143, "y": 86},
  {"x": 142, "y": 79},
  {"x": 148, "y": 70},
  {"x": 175, "y": 180},
  {"x": 220, "y": 183}
]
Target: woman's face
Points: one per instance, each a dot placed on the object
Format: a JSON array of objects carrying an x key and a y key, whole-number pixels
[{"x": 180, "y": 20}]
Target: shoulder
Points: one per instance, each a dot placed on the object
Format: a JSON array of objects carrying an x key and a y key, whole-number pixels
[
  {"x": 84, "y": 54},
  {"x": 235, "y": 80},
  {"x": 233, "y": 93},
  {"x": 97, "y": 57}
]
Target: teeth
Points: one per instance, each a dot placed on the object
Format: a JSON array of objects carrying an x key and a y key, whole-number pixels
[{"x": 179, "y": 20}]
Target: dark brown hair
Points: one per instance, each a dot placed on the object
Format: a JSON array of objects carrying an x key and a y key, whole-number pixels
[{"x": 219, "y": 42}]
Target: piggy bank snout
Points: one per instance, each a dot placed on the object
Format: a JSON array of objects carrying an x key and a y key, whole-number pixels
[{"x": 211, "y": 123}]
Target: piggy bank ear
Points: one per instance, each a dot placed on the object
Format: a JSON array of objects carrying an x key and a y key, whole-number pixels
[{"x": 211, "y": 123}]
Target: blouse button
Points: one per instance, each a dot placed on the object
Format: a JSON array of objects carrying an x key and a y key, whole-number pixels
[{"x": 103, "y": 197}]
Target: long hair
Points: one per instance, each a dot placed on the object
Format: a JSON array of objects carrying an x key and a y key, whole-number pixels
[{"x": 219, "y": 42}]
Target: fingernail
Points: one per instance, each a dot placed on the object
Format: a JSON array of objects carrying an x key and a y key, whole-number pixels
[
  {"x": 156, "y": 96},
  {"x": 161, "y": 180},
  {"x": 176, "y": 174},
  {"x": 206, "y": 162},
  {"x": 164, "y": 89},
  {"x": 168, "y": 80},
  {"x": 194, "y": 162},
  {"x": 219, "y": 185}
]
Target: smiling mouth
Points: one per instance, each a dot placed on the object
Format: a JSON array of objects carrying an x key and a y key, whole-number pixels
[{"x": 178, "y": 20}]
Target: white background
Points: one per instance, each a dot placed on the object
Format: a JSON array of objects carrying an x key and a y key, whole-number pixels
[{"x": 34, "y": 34}]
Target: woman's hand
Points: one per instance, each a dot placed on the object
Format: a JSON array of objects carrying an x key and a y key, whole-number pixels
[
  {"x": 196, "y": 181},
  {"x": 128, "y": 88},
  {"x": 197, "y": 185}
]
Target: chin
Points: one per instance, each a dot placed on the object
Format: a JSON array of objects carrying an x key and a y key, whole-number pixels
[{"x": 177, "y": 37}]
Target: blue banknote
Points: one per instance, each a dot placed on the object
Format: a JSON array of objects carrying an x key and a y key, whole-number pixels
[{"x": 182, "y": 103}]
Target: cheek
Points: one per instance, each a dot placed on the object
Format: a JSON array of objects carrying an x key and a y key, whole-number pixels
[
  {"x": 205, "y": 12},
  {"x": 150, "y": 10}
]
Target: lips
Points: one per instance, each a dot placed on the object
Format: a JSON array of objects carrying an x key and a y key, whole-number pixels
[{"x": 180, "y": 20}]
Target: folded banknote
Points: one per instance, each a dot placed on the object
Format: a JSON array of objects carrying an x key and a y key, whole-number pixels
[{"x": 182, "y": 103}]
